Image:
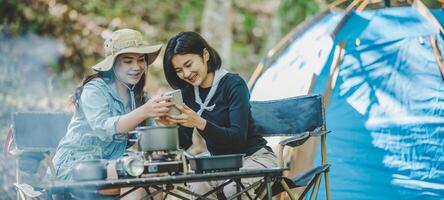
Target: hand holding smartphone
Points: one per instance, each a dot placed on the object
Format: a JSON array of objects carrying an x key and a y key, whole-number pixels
[{"x": 176, "y": 97}]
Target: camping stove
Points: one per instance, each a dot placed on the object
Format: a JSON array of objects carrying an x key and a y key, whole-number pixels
[
  {"x": 159, "y": 147},
  {"x": 171, "y": 162},
  {"x": 137, "y": 164}
]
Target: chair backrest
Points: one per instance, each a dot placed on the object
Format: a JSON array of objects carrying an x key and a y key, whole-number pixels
[
  {"x": 39, "y": 131},
  {"x": 288, "y": 117}
]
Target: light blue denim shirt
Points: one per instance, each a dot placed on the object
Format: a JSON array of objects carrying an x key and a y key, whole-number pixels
[{"x": 90, "y": 132}]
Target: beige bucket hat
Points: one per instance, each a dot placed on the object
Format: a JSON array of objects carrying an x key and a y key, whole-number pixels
[{"x": 126, "y": 41}]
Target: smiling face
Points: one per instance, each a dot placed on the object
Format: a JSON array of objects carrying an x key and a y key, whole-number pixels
[
  {"x": 193, "y": 69},
  {"x": 130, "y": 67}
]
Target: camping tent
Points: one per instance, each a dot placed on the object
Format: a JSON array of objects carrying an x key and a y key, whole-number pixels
[{"x": 381, "y": 74}]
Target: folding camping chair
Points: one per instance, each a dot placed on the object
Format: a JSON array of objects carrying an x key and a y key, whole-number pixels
[
  {"x": 36, "y": 136},
  {"x": 299, "y": 117}
]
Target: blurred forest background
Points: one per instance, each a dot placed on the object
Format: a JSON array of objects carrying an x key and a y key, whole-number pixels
[{"x": 48, "y": 46}]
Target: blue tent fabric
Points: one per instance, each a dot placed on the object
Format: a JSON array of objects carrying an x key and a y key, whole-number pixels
[{"x": 386, "y": 110}]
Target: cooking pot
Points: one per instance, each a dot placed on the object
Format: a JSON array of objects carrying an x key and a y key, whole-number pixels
[
  {"x": 157, "y": 138},
  {"x": 86, "y": 170}
]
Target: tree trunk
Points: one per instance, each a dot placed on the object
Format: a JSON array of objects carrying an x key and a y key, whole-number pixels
[
  {"x": 274, "y": 34},
  {"x": 217, "y": 27}
]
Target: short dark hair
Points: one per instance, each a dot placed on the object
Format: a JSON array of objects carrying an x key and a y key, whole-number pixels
[{"x": 187, "y": 43}]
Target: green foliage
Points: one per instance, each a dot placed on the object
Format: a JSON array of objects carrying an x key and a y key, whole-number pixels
[
  {"x": 80, "y": 24},
  {"x": 188, "y": 11},
  {"x": 249, "y": 21},
  {"x": 293, "y": 12}
]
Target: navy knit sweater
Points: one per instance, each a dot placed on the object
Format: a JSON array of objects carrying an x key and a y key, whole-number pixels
[{"x": 229, "y": 124}]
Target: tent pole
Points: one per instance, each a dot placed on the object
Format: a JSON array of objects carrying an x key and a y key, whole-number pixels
[
  {"x": 255, "y": 75},
  {"x": 336, "y": 3},
  {"x": 438, "y": 55},
  {"x": 425, "y": 12},
  {"x": 362, "y": 6},
  {"x": 334, "y": 70},
  {"x": 347, "y": 14}
]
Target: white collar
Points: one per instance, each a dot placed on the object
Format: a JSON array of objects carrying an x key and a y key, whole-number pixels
[{"x": 218, "y": 74}]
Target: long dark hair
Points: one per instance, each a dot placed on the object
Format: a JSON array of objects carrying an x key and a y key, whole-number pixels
[
  {"x": 187, "y": 43},
  {"x": 107, "y": 76}
]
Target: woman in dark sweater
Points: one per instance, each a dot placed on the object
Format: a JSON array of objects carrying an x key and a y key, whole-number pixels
[{"x": 216, "y": 105}]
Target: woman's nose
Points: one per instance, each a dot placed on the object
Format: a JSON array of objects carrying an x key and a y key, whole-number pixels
[{"x": 186, "y": 73}]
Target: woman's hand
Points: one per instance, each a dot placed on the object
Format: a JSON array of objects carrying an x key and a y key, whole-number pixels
[
  {"x": 165, "y": 121},
  {"x": 157, "y": 106},
  {"x": 188, "y": 118},
  {"x": 153, "y": 108}
]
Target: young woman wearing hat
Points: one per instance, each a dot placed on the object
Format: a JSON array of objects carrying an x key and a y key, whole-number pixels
[
  {"x": 109, "y": 102},
  {"x": 216, "y": 105}
]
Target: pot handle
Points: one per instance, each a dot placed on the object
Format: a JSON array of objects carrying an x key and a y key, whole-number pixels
[
  {"x": 120, "y": 136},
  {"x": 133, "y": 136}
]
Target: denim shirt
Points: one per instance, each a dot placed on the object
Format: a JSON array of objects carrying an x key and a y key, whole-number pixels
[{"x": 90, "y": 132}]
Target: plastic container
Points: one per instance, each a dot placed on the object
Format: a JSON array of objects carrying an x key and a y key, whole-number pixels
[{"x": 209, "y": 164}]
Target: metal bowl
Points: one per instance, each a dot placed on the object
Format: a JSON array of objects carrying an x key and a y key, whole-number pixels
[
  {"x": 162, "y": 138},
  {"x": 87, "y": 170}
]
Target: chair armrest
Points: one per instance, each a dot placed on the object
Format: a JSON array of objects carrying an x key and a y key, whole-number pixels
[
  {"x": 296, "y": 140},
  {"x": 320, "y": 132},
  {"x": 18, "y": 152},
  {"x": 304, "y": 178}
]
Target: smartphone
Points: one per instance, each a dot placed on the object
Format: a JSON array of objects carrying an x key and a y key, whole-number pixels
[{"x": 176, "y": 97}]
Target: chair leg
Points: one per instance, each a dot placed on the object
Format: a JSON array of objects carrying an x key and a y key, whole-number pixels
[
  {"x": 48, "y": 161},
  {"x": 18, "y": 177},
  {"x": 281, "y": 155},
  {"x": 308, "y": 187},
  {"x": 20, "y": 195},
  {"x": 264, "y": 192},
  {"x": 288, "y": 190},
  {"x": 327, "y": 185},
  {"x": 324, "y": 161},
  {"x": 314, "y": 192}
]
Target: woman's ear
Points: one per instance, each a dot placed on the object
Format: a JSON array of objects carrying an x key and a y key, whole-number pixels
[{"x": 206, "y": 55}]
